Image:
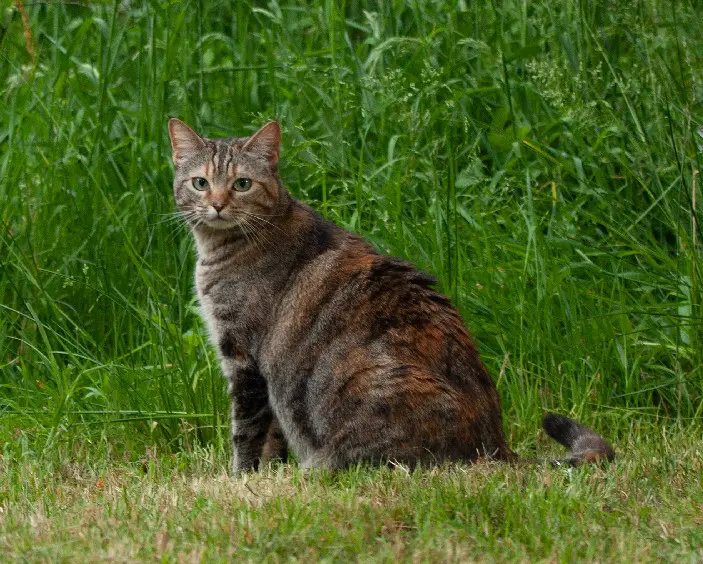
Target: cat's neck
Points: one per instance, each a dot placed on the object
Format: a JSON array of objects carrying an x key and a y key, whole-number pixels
[{"x": 208, "y": 240}]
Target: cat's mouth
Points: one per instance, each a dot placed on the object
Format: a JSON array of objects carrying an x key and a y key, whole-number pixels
[{"x": 219, "y": 222}]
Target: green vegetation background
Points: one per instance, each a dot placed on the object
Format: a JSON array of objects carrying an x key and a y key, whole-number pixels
[{"x": 540, "y": 158}]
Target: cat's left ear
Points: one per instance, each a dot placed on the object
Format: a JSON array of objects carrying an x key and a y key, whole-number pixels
[
  {"x": 184, "y": 141},
  {"x": 266, "y": 141}
]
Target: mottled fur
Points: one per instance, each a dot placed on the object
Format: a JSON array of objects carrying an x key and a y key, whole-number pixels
[{"x": 330, "y": 348}]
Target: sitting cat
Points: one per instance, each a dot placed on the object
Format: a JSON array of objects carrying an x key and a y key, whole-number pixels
[{"x": 330, "y": 348}]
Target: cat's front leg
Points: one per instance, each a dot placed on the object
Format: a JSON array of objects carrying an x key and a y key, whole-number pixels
[{"x": 251, "y": 413}]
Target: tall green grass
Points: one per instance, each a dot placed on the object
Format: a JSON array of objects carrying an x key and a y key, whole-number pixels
[{"x": 539, "y": 158}]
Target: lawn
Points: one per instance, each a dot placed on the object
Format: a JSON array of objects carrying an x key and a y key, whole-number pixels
[
  {"x": 541, "y": 159},
  {"x": 184, "y": 507}
]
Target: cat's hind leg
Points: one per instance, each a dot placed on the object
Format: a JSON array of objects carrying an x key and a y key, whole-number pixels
[
  {"x": 275, "y": 446},
  {"x": 322, "y": 459}
]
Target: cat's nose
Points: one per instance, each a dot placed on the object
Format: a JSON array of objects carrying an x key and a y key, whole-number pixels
[{"x": 218, "y": 206}]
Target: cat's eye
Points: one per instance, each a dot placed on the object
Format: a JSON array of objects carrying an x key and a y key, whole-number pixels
[
  {"x": 200, "y": 183},
  {"x": 242, "y": 184}
]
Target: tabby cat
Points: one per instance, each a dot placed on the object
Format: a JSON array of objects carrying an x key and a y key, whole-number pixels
[{"x": 331, "y": 349}]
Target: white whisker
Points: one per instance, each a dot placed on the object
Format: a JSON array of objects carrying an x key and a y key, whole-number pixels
[{"x": 261, "y": 219}]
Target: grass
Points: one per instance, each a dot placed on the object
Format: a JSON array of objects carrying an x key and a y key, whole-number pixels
[
  {"x": 540, "y": 159},
  {"x": 185, "y": 507}
]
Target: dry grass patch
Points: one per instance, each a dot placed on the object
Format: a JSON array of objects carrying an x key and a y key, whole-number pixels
[{"x": 644, "y": 507}]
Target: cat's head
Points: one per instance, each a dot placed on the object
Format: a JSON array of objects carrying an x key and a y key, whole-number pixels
[{"x": 226, "y": 183}]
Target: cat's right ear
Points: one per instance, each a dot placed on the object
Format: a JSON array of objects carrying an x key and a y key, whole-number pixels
[{"x": 184, "y": 141}]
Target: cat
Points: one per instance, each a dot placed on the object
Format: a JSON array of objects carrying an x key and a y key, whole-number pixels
[{"x": 340, "y": 353}]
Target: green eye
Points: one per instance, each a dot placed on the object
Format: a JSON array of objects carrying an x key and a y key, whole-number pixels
[
  {"x": 242, "y": 184},
  {"x": 200, "y": 183}
]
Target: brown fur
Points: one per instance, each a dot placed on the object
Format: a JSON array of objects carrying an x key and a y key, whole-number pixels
[{"x": 330, "y": 348}]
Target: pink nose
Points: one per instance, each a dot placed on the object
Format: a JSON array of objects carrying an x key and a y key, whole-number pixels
[{"x": 219, "y": 206}]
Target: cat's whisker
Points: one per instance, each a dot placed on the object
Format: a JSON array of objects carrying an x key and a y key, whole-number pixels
[
  {"x": 261, "y": 229},
  {"x": 243, "y": 226},
  {"x": 249, "y": 228},
  {"x": 174, "y": 213},
  {"x": 270, "y": 214},
  {"x": 171, "y": 220},
  {"x": 261, "y": 219},
  {"x": 263, "y": 241},
  {"x": 179, "y": 224},
  {"x": 262, "y": 238}
]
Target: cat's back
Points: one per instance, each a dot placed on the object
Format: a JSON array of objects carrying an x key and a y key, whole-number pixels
[
  {"x": 365, "y": 339},
  {"x": 343, "y": 289}
]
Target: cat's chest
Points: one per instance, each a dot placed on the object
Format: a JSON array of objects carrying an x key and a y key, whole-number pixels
[{"x": 231, "y": 303}]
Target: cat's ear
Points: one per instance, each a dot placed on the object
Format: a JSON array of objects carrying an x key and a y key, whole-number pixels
[
  {"x": 184, "y": 141},
  {"x": 266, "y": 141}
]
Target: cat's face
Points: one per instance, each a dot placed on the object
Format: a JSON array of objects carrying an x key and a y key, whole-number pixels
[{"x": 226, "y": 183}]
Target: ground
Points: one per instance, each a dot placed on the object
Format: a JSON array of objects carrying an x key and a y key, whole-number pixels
[{"x": 92, "y": 505}]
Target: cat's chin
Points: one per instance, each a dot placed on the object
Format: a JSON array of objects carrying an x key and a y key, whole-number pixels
[{"x": 221, "y": 224}]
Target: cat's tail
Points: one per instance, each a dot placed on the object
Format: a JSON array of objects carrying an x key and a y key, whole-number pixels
[{"x": 584, "y": 444}]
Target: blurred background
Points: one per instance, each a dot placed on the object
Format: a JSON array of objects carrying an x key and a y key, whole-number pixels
[{"x": 540, "y": 158}]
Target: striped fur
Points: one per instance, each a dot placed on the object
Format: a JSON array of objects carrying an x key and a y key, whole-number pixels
[{"x": 331, "y": 349}]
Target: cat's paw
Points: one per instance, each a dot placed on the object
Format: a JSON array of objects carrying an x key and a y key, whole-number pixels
[{"x": 243, "y": 465}]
